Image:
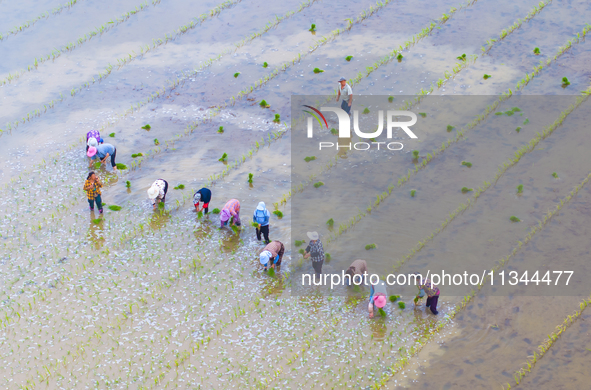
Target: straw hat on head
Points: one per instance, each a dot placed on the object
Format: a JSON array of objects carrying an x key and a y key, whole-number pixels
[
  {"x": 380, "y": 301},
  {"x": 92, "y": 142},
  {"x": 91, "y": 151},
  {"x": 312, "y": 235},
  {"x": 153, "y": 192}
]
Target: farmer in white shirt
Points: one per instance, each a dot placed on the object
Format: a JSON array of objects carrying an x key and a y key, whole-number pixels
[{"x": 347, "y": 93}]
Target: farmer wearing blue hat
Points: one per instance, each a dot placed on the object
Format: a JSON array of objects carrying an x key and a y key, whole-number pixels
[
  {"x": 347, "y": 93},
  {"x": 272, "y": 254}
]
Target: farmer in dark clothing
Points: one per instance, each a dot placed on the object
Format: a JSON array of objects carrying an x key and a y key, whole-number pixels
[
  {"x": 432, "y": 292},
  {"x": 316, "y": 251},
  {"x": 358, "y": 267},
  {"x": 273, "y": 254},
  {"x": 203, "y": 195}
]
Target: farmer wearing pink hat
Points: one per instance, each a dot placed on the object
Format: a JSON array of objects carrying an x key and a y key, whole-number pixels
[
  {"x": 102, "y": 151},
  {"x": 377, "y": 297},
  {"x": 231, "y": 209}
]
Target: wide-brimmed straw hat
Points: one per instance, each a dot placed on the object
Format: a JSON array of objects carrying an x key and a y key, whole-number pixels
[
  {"x": 312, "y": 235},
  {"x": 153, "y": 192}
]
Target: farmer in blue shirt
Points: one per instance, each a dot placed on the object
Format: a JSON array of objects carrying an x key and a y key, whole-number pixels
[
  {"x": 261, "y": 217},
  {"x": 103, "y": 151}
]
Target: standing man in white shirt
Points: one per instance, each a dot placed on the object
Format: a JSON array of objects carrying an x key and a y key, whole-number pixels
[{"x": 347, "y": 93}]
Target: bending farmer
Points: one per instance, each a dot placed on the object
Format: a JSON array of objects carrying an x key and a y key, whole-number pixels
[
  {"x": 273, "y": 254},
  {"x": 358, "y": 267},
  {"x": 157, "y": 192},
  {"x": 103, "y": 152},
  {"x": 377, "y": 297},
  {"x": 230, "y": 210},
  {"x": 203, "y": 195},
  {"x": 432, "y": 292}
]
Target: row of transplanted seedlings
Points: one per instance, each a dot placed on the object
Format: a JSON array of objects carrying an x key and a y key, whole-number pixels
[
  {"x": 58, "y": 241},
  {"x": 56, "y": 191},
  {"x": 105, "y": 295},
  {"x": 189, "y": 315}
]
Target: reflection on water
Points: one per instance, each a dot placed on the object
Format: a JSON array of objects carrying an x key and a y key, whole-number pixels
[
  {"x": 378, "y": 327},
  {"x": 160, "y": 218},
  {"x": 95, "y": 231}
]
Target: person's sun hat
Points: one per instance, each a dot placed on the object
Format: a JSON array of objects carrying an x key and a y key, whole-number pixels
[
  {"x": 224, "y": 215},
  {"x": 196, "y": 197},
  {"x": 312, "y": 235},
  {"x": 264, "y": 257},
  {"x": 342, "y": 79},
  {"x": 153, "y": 192},
  {"x": 380, "y": 301},
  {"x": 92, "y": 142},
  {"x": 261, "y": 206},
  {"x": 91, "y": 151}
]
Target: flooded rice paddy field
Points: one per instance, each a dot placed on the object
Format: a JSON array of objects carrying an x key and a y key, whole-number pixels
[{"x": 142, "y": 299}]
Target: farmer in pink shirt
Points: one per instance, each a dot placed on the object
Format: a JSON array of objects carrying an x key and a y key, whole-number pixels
[{"x": 231, "y": 209}]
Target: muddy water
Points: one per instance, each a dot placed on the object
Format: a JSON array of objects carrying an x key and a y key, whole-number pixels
[{"x": 14, "y": 14}]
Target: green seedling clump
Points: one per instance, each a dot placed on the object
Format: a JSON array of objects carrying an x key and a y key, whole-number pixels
[
  {"x": 112, "y": 135},
  {"x": 156, "y": 142},
  {"x": 215, "y": 211},
  {"x": 390, "y": 99},
  {"x": 97, "y": 221},
  {"x": 366, "y": 110},
  {"x": 526, "y": 121},
  {"x": 134, "y": 155},
  {"x": 450, "y": 128},
  {"x": 415, "y": 154},
  {"x": 555, "y": 175},
  {"x": 334, "y": 131},
  {"x": 318, "y": 184},
  {"x": 114, "y": 208},
  {"x": 518, "y": 129},
  {"x": 121, "y": 166},
  {"x": 412, "y": 193},
  {"x": 200, "y": 214},
  {"x": 277, "y": 118},
  {"x": 565, "y": 81},
  {"x": 467, "y": 164},
  {"x": 250, "y": 176},
  {"x": 264, "y": 104},
  {"x": 509, "y": 113},
  {"x": 330, "y": 222},
  {"x": 128, "y": 184},
  {"x": 161, "y": 206},
  {"x": 327, "y": 256},
  {"x": 301, "y": 251},
  {"x": 536, "y": 50},
  {"x": 265, "y": 65},
  {"x": 382, "y": 312},
  {"x": 236, "y": 74},
  {"x": 514, "y": 219},
  {"x": 423, "y": 114},
  {"x": 520, "y": 189},
  {"x": 312, "y": 27},
  {"x": 370, "y": 246},
  {"x": 394, "y": 298},
  {"x": 466, "y": 189},
  {"x": 299, "y": 243},
  {"x": 271, "y": 272},
  {"x": 499, "y": 113},
  {"x": 349, "y": 58},
  {"x": 224, "y": 157},
  {"x": 278, "y": 213},
  {"x": 401, "y": 305},
  {"x": 146, "y": 127},
  {"x": 516, "y": 109},
  {"x": 221, "y": 129},
  {"x": 180, "y": 187},
  {"x": 399, "y": 57},
  {"x": 97, "y": 165},
  {"x": 318, "y": 70},
  {"x": 462, "y": 57},
  {"x": 486, "y": 76},
  {"x": 310, "y": 158}
]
